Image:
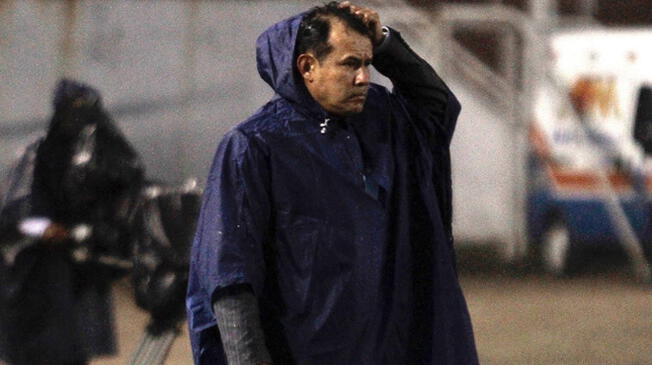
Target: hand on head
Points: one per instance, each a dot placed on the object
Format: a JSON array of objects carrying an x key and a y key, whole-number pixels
[{"x": 369, "y": 17}]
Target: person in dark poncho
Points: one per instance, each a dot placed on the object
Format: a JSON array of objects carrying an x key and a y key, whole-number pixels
[
  {"x": 64, "y": 234},
  {"x": 325, "y": 231}
]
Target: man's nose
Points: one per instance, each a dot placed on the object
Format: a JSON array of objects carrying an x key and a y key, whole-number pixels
[{"x": 362, "y": 76}]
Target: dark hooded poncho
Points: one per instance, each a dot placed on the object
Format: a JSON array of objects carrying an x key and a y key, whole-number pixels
[
  {"x": 55, "y": 309},
  {"x": 342, "y": 232}
]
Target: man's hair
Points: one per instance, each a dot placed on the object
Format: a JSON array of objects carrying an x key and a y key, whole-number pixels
[{"x": 316, "y": 26}]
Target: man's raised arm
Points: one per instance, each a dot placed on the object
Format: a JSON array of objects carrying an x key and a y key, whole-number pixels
[
  {"x": 425, "y": 94},
  {"x": 415, "y": 81}
]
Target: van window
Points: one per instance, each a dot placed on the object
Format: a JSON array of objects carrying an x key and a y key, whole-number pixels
[{"x": 643, "y": 121}]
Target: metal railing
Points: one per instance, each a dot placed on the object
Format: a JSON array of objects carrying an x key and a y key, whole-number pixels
[
  {"x": 480, "y": 77},
  {"x": 503, "y": 89}
]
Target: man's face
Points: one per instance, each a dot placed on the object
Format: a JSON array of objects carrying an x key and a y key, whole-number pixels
[{"x": 339, "y": 82}]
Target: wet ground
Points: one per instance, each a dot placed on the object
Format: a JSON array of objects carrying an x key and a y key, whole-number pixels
[{"x": 600, "y": 315}]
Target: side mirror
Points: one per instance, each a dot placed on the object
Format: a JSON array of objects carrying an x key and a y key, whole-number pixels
[{"x": 643, "y": 121}]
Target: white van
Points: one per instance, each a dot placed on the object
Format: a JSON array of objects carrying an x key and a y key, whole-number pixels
[{"x": 591, "y": 138}]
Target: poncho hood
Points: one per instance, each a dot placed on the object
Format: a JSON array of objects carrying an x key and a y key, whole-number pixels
[{"x": 276, "y": 63}]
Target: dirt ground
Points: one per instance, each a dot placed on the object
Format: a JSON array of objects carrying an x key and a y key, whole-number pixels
[{"x": 600, "y": 316}]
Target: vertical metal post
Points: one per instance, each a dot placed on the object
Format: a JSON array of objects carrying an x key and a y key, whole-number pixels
[
  {"x": 516, "y": 250},
  {"x": 587, "y": 8},
  {"x": 543, "y": 12},
  {"x": 67, "y": 52},
  {"x": 188, "y": 85},
  {"x": 439, "y": 41},
  {"x": 6, "y": 23},
  {"x": 543, "y": 17},
  {"x": 509, "y": 54}
]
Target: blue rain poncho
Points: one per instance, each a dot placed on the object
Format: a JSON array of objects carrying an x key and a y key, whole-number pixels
[{"x": 341, "y": 226}]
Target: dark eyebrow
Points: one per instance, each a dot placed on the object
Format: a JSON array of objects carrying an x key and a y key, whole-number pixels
[{"x": 357, "y": 59}]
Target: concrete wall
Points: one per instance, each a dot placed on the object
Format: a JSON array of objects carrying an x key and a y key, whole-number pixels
[
  {"x": 483, "y": 171},
  {"x": 176, "y": 75}
]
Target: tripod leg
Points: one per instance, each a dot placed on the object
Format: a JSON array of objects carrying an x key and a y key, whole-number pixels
[{"x": 154, "y": 349}]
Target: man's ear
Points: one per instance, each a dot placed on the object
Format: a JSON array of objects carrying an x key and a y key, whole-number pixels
[{"x": 305, "y": 64}]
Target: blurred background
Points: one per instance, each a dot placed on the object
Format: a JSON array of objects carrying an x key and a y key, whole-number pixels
[{"x": 551, "y": 158}]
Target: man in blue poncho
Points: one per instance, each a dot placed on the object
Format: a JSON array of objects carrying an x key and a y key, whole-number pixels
[{"x": 325, "y": 231}]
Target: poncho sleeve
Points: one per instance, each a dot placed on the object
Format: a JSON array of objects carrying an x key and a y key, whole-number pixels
[
  {"x": 431, "y": 104},
  {"x": 233, "y": 223},
  {"x": 432, "y": 111}
]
